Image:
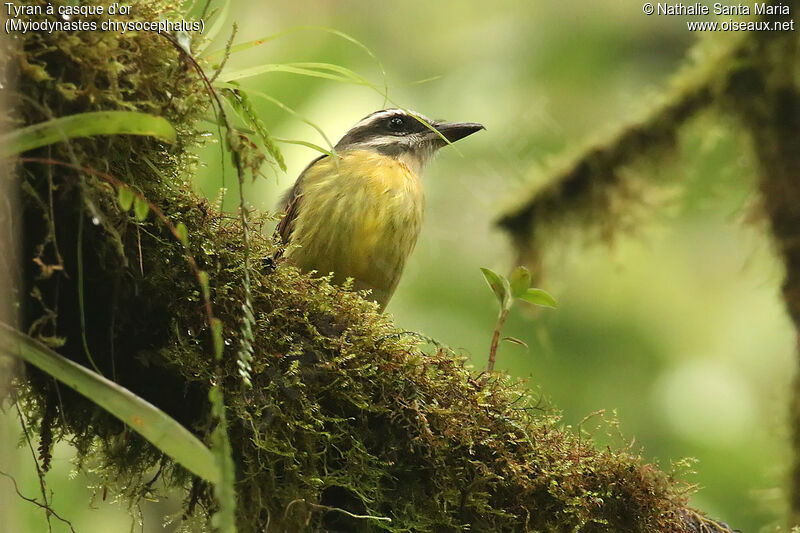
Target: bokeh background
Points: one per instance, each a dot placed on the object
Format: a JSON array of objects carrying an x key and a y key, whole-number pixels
[{"x": 677, "y": 330}]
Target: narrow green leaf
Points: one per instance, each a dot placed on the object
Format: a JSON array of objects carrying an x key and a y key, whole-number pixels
[
  {"x": 125, "y": 197},
  {"x": 224, "y": 519},
  {"x": 85, "y": 125},
  {"x": 515, "y": 341},
  {"x": 307, "y": 145},
  {"x": 140, "y": 208},
  {"x": 220, "y": 18},
  {"x": 426, "y": 80},
  {"x": 183, "y": 233},
  {"x": 149, "y": 421},
  {"x": 499, "y": 285},
  {"x": 278, "y": 103},
  {"x": 333, "y": 67},
  {"x": 203, "y": 275},
  {"x": 218, "y": 54},
  {"x": 384, "y": 90},
  {"x": 244, "y": 108},
  {"x": 313, "y": 70},
  {"x": 53, "y": 342},
  {"x": 539, "y": 297},
  {"x": 519, "y": 280},
  {"x": 216, "y": 333}
]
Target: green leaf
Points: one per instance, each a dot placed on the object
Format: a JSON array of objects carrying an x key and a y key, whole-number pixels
[
  {"x": 149, "y": 421},
  {"x": 499, "y": 285},
  {"x": 515, "y": 341},
  {"x": 140, "y": 208},
  {"x": 307, "y": 145},
  {"x": 326, "y": 71},
  {"x": 125, "y": 197},
  {"x": 52, "y": 342},
  {"x": 244, "y": 108},
  {"x": 216, "y": 333},
  {"x": 539, "y": 297},
  {"x": 519, "y": 280},
  {"x": 278, "y": 103},
  {"x": 85, "y": 125},
  {"x": 218, "y": 54},
  {"x": 203, "y": 275},
  {"x": 224, "y": 519},
  {"x": 220, "y": 18},
  {"x": 183, "y": 233}
]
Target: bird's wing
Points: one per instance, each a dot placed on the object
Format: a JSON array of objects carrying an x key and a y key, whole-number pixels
[{"x": 290, "y": 203}]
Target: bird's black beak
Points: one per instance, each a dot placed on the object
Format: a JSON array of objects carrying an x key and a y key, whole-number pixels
[{"x": 454, "y": 131}]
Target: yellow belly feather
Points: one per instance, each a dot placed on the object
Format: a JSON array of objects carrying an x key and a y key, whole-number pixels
[{"x": 359, "y": 217}]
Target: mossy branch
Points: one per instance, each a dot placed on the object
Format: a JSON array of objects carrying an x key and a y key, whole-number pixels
[
  {"x": 350, "y": 424},
  {"x": 584, "y": 188}
]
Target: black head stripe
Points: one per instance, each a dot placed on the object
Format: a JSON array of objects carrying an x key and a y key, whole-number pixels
[{"x": 377, "y": 124}]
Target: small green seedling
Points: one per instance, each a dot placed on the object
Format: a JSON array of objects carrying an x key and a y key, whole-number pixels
[{"x": 508, "y": 290}]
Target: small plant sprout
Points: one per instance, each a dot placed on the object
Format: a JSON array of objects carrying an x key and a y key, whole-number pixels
[{"x": 508, "y": 290}]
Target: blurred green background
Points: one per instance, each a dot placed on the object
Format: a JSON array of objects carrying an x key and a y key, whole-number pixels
[{"x": 679, "y": 329}]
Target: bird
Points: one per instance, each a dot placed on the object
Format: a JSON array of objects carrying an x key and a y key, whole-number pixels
[{"x": 357, "y": 212}]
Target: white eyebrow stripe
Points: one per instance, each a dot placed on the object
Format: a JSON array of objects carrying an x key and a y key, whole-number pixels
[
  {"x": 384, "y": 140},
  {"x": 386, "y": 113},
  {"x": 377, "y": 116}
]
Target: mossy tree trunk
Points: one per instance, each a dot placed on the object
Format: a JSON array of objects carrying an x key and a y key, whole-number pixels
[
  {"x": 766, "y": 96},
  {"x": 350, "y": 423}
]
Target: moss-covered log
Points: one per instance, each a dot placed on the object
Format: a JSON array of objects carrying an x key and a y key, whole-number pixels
[{"x": 350, "y": 424}]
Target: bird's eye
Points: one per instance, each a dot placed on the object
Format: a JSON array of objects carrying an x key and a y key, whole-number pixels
[{"x": 396, "y": 123}]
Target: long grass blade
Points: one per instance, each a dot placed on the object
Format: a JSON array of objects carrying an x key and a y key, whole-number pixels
[
  {"x": 278, "y": 103},
  {"x": 307, "y": 145},
  {"x": 216, "y": 55},
  {"x": 220, "y": 18},
  {"x": 85, "y": 125},
  {"x": 146, "y": 419},
  {"x": 277, "y": 67}
]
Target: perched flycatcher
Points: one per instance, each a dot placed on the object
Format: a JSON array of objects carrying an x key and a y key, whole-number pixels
[{"x": 358, "y": 213}]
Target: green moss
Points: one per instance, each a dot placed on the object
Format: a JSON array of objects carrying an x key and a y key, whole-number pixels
[
  {"x": 350, "y": 425},
  {"x": 601, "y": 189}
]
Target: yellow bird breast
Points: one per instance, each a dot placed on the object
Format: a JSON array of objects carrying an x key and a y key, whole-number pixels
[{"x": 358, "y": 217}]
